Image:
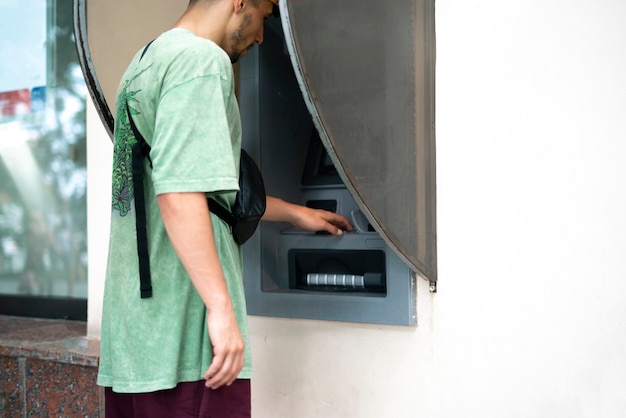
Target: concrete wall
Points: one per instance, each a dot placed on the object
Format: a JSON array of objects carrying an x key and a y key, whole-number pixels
[{"x": 531, "y": 199}]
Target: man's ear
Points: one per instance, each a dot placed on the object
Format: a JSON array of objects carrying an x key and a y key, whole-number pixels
[{"x": 239, "y": 5}]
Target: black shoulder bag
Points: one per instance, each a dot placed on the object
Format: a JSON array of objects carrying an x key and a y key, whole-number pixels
[{"x": 243, "y": 219}]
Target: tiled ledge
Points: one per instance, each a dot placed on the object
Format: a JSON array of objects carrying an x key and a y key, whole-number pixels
[
  {"x": 43, "y": 339},
  {"x": 47, "y": 368}
]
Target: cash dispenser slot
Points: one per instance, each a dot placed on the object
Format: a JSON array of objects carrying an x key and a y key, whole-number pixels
[{"x": 337, "y": 270}]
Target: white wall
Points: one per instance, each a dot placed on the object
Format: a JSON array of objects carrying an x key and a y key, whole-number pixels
[
  {"x": 531, "y": 167},
  {"x": 99, "y": 182}
]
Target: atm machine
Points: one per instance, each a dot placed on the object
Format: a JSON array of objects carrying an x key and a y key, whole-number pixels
[
  {"x": 355, "y": 277},
  {"x": 337, "y": 109}
]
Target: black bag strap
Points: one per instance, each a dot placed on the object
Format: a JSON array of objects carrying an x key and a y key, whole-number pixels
[
  {"x": 146, "y": 49},
  {"x": 221, "y": 212},
  {"x": 140, "y": 150}
]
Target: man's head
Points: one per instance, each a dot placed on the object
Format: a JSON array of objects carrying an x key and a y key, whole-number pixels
[
  {"x": 235, "y": 25},
  {"x": 249, "y": 32}
]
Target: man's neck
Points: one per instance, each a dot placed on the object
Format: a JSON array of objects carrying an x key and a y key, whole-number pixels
[{"x": 207, "y": 21}]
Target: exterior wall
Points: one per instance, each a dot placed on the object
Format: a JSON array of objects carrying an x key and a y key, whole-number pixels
[{"x": 529, "y": 318}]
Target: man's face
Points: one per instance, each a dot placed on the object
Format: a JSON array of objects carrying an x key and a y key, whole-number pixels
[{"x": 250, "y": 30}]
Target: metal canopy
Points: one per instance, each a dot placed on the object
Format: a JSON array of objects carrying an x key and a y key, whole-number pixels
[{"x": 366, "y": 71}]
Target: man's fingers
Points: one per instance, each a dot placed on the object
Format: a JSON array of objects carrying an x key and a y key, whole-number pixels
[
  {"x": 226, "y": 373},
  {"x": 336, "y": 224},
  {"x": 214, "y": 368},
  {"x": 225, "y": 366},
  {"x": 333, "y": 229}
]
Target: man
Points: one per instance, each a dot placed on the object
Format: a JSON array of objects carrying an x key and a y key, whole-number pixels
[{"x": 184, "y": 351}]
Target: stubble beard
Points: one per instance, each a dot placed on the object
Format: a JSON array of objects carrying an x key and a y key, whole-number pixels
[{"x": 236, "y": 40}]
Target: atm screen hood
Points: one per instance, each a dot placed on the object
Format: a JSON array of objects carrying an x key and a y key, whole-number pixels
[{"x": 366, "y": 71}]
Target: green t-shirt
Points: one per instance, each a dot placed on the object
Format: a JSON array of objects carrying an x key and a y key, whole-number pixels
[{"x": 181, "y": 97}]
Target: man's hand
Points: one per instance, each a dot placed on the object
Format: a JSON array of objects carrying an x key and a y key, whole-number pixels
[
  {"x": 228, "y": 349},
  {"x": 321, "y": 220},
  {"x": 306, "y": 218}
]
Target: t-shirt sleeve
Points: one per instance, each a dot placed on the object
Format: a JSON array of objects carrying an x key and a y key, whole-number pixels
[{"x": 192, "y": 149}]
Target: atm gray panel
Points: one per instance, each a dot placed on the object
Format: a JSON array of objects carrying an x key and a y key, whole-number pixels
[
  {"x": 366, "y": 70},
  {"x": 278, "y": 132}
]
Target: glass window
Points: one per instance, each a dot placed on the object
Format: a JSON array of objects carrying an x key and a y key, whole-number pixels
[{"x": 43, "y": 253}]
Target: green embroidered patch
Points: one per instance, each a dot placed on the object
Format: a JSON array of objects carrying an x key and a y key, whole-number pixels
[{"x": 123, "y": 192}]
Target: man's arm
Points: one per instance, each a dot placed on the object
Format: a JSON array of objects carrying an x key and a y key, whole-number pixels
[
  {"x": 278, "y": 210},
  {"x": 188, "y": 225}
]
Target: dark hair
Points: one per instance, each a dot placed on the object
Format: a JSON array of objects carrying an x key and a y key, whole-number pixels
[{"x": 254, "y": 3}]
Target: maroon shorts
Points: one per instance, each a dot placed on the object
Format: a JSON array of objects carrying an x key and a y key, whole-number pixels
[{"x": 187, "y": 400}]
